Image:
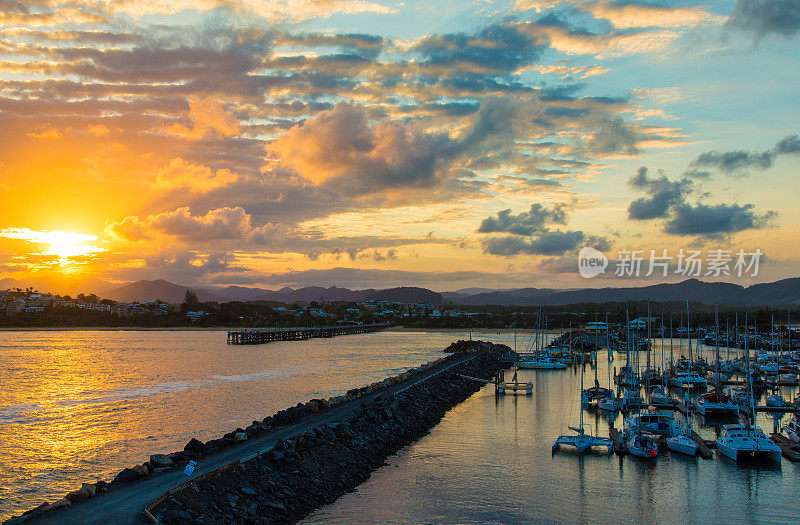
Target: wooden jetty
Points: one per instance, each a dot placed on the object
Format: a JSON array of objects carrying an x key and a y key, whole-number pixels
[
  {"x": 258, "y": 337},
  {"x": 702, "y": 447},
  {"x": 619, "y": 446},
  {"x": 789, "y": 452}
]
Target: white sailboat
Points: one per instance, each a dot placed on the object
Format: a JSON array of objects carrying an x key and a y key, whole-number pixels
[
  {"x": 716, "y": 403},
  {"x": 681, "y": 442}
]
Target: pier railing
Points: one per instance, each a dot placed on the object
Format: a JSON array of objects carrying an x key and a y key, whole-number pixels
[{"x": 257, "y": 337}]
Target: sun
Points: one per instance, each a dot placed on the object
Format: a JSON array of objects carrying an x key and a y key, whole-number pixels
[{"x": 64, "y": 245}]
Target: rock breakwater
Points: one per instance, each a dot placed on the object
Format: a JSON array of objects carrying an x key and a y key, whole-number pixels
[{"x": 314, "y": 468}]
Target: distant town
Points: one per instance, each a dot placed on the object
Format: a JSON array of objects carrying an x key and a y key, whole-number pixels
[{"x": 32, "y": 308}]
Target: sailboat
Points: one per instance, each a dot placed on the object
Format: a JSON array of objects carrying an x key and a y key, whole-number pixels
[
  {"x": 716, "y": 402},
  {"x": 688, "y": 377},
  {"x": 775, "y": 399},
  {"x": 681, "y": 442},
  {"x": 741, "y": 441},
  {"x": 608, "y": 402},
  {"x": 581, "y": 440}
]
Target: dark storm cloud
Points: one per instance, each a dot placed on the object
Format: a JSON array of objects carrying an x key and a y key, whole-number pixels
[
  {"x": 662, "y": 195},
  {"x": 738, "y": 161},
  {"x": 766, "y": 17},
  {"x": 531, "y": 235},
  {"x": 718, "y": 220},
  {"x": 667, "y": 199},
  {"x": 525, "y": 223},
  {"x": 544, "y": 243}
]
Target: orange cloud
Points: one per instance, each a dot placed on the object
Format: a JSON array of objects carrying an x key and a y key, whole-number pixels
[
  {"x": 628, "y": 16},
  {"x": 208, "y": 117},
  {"x": 45, "y": 131},
  {"x": 194, "y": 177}
]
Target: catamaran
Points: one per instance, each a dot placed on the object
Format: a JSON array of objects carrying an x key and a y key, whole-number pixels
[
  {"x": 581, "y": 440},
  {"x": 742, "y": 441}
]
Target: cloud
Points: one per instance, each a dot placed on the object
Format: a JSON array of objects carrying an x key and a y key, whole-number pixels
[
  {"x": 526, "y": 223},
  {"x": 613, "y": 135},
  {"x": 628, "y": 15},
  {"x": 667, "y": 200},
  {"x": 739, "y": 161},
  {"x": 497, "y": 47},
  {"x": 763, "y": 18},
  {"x": 207, "y": 116},
  {"x": 718, "y": 220},
  {"x": 546, "y": 243},
  {"x": 230, "y": 223},
  {"x": 663, "y": 195},
  {"x": 179, "y": 174},
  {"x": 340, "y": 147},
  {"x": 531, "y": 236}
]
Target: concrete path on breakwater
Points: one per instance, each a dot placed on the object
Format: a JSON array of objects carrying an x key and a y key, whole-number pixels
[{"x": 123, "y": 503}]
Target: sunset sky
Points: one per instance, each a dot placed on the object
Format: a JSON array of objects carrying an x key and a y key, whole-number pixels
[{"x": 377, "y": 143}]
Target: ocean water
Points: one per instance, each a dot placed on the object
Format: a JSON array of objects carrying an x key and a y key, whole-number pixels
[
  {"x": 489, "y": 461},
  {"x": 77, "y": 406}
]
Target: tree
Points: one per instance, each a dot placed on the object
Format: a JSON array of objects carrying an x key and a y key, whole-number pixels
[{"x": 190, "y": 301}]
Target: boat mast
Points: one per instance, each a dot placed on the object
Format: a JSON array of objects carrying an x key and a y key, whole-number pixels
[
  {"x": 662, "y": 343},
  {"x": 749, "y": 377},
  {"x": 689, "y": 334},
  {"x": 716, "y": 330}
]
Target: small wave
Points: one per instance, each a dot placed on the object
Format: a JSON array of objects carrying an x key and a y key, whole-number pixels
[
  {"x": 10, "y": 412},
  {"x": 130, "y": 394},
  {"x": 21, "y": 413},
  {"x": 263, "y": 374}
]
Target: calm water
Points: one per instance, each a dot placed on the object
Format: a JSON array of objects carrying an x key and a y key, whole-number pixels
[
  {"x": 76, "y": 406},
  {"x": 79, "y": 406},
  {"x": 489, "y": 461}
]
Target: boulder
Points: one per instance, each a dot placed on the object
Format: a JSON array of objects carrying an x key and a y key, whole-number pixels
[
  {"x": 89, "y": 487},
  {"x": 196, "y": 446},
  {"x": 78, "y": 495},
  {"x": 125, "y": 475},
  {"x": 161, "y": 460},
  {"x": 267, "y": 509},
  {"x": 64, "y": 502}
]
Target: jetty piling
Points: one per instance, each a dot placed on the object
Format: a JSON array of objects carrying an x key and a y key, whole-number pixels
[{"x": 258, "y": 337}]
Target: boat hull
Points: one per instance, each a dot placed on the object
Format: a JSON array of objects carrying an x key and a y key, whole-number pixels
[{"x": 682, "y": 445}]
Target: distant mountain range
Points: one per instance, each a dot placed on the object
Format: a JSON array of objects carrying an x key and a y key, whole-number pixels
[{"x": 780, "y": 292}]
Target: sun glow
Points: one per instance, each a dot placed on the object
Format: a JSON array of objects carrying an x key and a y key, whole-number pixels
[{"x": 64, "y": 245}]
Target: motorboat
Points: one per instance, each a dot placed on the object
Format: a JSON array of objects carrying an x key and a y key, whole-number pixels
[
  {"x": 739, "y": 442},
  {"x": 691, "y": 379},
  {"x": 658, "y": 397},
  {"x": 775, "y": 400},
  {"x": 608, "y": 403},
  {"x": 631, "y": 400},
  {"x": 542, "y": 362},
  {"x": 652, "y": 423},
  {"x": 792, "y": 430},
  {"x": 642, "y": 446},
  {"x": 716, "y": 404}
]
